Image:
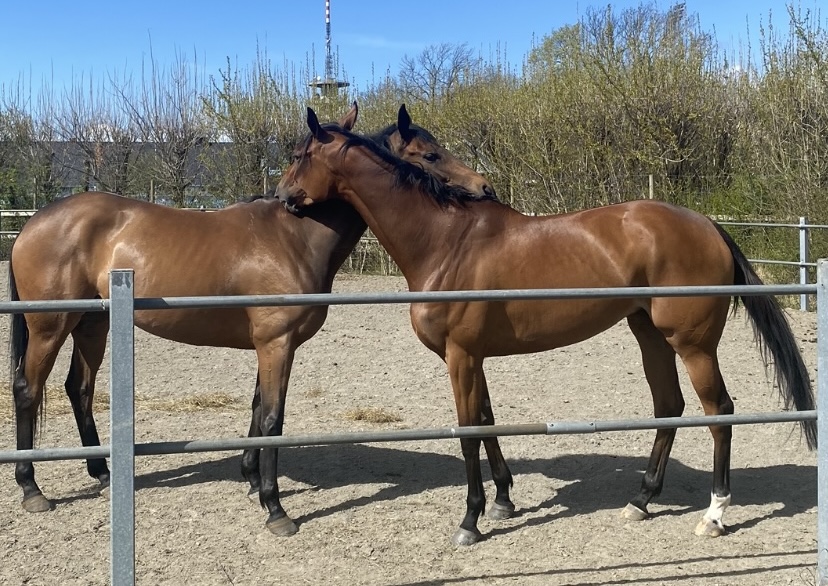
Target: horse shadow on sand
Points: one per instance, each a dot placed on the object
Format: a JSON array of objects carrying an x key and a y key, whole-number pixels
[{"x": 593, "y": 482}]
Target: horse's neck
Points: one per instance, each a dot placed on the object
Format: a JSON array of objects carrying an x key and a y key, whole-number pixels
[
  {"x": 332, "y": 230},
  {"x": 409, "y": 225}
]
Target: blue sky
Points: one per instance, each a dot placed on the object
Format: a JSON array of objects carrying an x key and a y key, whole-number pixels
[{"x": 55, "y": 41}]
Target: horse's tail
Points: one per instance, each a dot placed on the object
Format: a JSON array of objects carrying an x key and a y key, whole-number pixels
[
  {"x": 18, "y": 335},
  {"x": 775, "y": 340}
]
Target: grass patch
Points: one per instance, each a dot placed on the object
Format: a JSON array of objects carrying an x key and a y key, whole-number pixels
[
  {"x": 58, "y": 404},
  {"x": 190, "y": 403},
  {"x": 372, "y": 415}
]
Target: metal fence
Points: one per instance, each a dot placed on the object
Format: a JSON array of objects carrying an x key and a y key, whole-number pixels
[
  {"x": 803, "y": 263},
  {"x": 122, "y": 449}
]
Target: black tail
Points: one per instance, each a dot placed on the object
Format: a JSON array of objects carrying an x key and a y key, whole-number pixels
[
  {"x": 18, "y": 335},
  {"x": 776, "y": 340}
]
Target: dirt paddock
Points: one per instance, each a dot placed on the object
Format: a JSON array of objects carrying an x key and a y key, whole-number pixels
[{"x": 384, "y": 513}]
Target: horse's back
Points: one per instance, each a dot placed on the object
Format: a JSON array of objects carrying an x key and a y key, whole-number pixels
[
  {"x": 67, "y": 248},
  {"x": 54, "y": 254},
  {"x": 637, "y": 243}
]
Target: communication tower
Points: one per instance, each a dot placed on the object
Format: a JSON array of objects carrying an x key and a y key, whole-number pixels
[{"x": 329, "y": 84}]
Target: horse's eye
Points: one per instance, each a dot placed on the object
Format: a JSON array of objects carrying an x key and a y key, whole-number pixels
[{"x": 431, "y": 157}]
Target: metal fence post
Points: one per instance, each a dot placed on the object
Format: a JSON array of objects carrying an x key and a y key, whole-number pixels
[
  {"x": 803, "y": 258},
  {"x": 822, "y": 422},
  {"x": 122, "y": 428}
]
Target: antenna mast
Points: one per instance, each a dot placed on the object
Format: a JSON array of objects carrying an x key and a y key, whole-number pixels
[{"x": 329, "y": 84}]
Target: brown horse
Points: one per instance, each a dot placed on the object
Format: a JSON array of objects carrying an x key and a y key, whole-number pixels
[
  {"x": 443, "y": 241},
  {"x": 68, "y": 248}
]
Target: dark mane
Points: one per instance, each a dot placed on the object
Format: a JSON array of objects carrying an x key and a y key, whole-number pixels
[
  {"x": 382, "y": 137},
  {"x": 405, "y": 173}
]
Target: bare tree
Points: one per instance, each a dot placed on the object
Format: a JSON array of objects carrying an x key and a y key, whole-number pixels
[
  {"x": 28, "y": 129},
  {"x": 255, "y": 119},
  {"x": 168, "y": 116},
  {"x": 9, "y": 181},
  {"x": 436, "y": 72},
  {"x": 96, "y": 123}
]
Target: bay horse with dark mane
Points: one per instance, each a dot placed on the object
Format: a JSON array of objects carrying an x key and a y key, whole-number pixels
[
  {"x": 68, "y": 248},
  {"x": 443, "y": 240}
]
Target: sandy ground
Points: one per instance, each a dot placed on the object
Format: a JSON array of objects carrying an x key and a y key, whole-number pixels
[{"x": 384, "y": 513}]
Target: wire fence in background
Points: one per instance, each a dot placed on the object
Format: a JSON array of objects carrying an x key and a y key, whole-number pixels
[{"x": 370, "y": 257}]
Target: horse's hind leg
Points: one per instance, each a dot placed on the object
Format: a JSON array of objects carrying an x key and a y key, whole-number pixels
[
  {"x": 703, "y": 368},
  {"x": 503, "y": 507},
  {"x": 659, "y": 360},
  {"x": 47, "y": 332},
  {"x": 90, "y": 342}
]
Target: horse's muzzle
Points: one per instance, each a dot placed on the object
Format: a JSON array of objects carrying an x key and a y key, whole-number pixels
[{"x": 289, "y": 200}]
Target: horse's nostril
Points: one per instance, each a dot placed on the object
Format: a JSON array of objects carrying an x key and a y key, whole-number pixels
[{"x": 489, "y": 190}]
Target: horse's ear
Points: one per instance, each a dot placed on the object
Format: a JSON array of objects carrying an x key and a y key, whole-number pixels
[
  {"x": 316, "y": 129},
  {"x": 404, "y": 124},
  {"x": 348, "y": 120}
]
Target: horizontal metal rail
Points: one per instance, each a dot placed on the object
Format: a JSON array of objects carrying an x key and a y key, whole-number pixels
[
  {"x": 156, "y": 303},
  {"x": 791, "y": 263},
  {"x": 70, "y": 305},
  {"x": 362, "y": 437},
  {"x": 30, "y": 213}
]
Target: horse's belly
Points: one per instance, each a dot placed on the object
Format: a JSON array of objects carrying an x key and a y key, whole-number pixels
[
  {"x": 534, "y": 327},
  {"x": 225, "y": 328}
]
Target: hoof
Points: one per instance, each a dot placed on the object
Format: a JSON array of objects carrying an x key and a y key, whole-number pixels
[
  {"x": 283, "y": 526},
  {"x": 464, "y": 537},
  {"x": 710, "y": 528},
  {"x": 37, "y": 504},
  {"x": 105, "y": 493},
  {"x": 500, "y": 512},
  {"x": 633, "y": 513},
  {"x": 253, "y": 495}
]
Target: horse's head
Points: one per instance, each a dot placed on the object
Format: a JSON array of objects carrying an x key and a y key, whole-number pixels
[
  {"x": 416, "y": 145},
  {"x": 311, "y": 175},
  {"x": 317, "y": 160}
]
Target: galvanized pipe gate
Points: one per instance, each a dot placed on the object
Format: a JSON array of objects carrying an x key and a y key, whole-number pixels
[{"x": 122, "y": 449}]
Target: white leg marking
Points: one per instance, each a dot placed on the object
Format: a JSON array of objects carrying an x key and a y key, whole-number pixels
[
  {"x": 711, "y": 525},
  {"x": 718, "y": 504}
]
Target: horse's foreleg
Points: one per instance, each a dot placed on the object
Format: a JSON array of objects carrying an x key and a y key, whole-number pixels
[
  {"x": 659, "y": 360},
  {"x": 466, "y": 374},
  {"x": 503, "y": 507},
  {"x": 250, "y": 457},
  {"x": 275, "y": 361}
]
